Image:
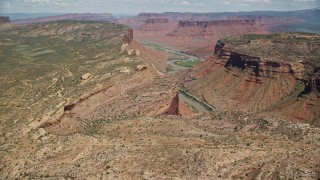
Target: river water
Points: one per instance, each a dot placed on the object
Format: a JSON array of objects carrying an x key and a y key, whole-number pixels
[{"x": 175, "y": 68}]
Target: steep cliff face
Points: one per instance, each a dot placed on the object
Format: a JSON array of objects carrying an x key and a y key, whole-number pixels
[
  {"x": 156, "y": 25},
  {"x": 270, "y": 20},
  {"x": 206, "y": 24},
  {"x": 312, "y": 84},
  {"x": 4, "y": 20},
  {"x": 259, "y": 66},
  {"x": 315, "y": 79},
  {"x": 277, "y": 74},
  {"x": 157, "y": 21},
  {"x": 128, "y": 36},
  {"x": 176, "y": 108},
  {"x": 148, "y": 15},
  {"x": 196, "y": 32},
  {"x": 273, "y": 23},
  {"x": 218, "y": 28}
]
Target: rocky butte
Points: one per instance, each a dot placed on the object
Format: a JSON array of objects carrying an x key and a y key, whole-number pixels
[
  {"x": 217, "y": 29},
  {"x": 206, "y": 24},
  {"x": 157, "y": 20},
  {"x": 156, "y": 25},
  {"x": 274, "y": 74},
  {"x": 194, "y": 36}
]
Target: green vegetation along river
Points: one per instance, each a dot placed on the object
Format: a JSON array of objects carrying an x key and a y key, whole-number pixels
[{"x": 179, "y": 61}]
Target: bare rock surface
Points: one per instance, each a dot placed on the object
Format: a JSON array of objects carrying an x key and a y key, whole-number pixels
[
  {"x": 86, "y": 76},
  {"x": 273, "y": 74}
]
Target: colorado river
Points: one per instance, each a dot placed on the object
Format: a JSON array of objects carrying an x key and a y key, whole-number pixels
[
  {"x": 175, "y": 68},
  {"x": 197, "y": 106},
  {"x": 174, "y": 63}
]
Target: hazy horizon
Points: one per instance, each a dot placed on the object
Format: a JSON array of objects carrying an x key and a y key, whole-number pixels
[
  {"x": 137, "y": 6},
  {"x": 31, "y": 15}
]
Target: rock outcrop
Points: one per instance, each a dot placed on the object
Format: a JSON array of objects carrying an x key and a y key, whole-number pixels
[
  {"x": 312, "y": 84},
  {"x": 142, "y": 67},
  {"x": 86, "y": 76},
  {"x": 277, "y": 73},
  {"x": 126, "y": 48},
  {"x": 149, "y": 14},
  {"x": 274, "y": 58},
  {"x": 206, "y": 24},
  {"x": 174, "y": 106},
  {"x": 156, "y": 25},
  {"x": 157, "y": 21},
  {"x": 128, "y": 36},
  {"x": 272, "y": 23},
  {"x": 219, "y": 28},
  {"x": 259, "y": 66},
  {"x": 196, "y": 32}
]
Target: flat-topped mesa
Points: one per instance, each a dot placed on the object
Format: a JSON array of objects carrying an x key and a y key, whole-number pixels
[
  {"x": 215, "y": 29},
  {"x": 76, "y": 16},
  {"x": 253, "y": 17},
  {"x": 273, "y": 56},
  {"x": 259, "y": 66},
  {"x": 279, "y": 73},
  {"x": 4, "y": 20},
  {"x": 157, "y": 21},
  {"x": 216, "y": 23},
  {"x": 157, "y": 25},
  {"x": 272, "y": 19},
  {"x": 149, "y": 14},
  {"x": 272, "y": 23}
]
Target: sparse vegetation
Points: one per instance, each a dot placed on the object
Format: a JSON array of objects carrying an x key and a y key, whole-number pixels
[
  {"x": 46, "y": 58},
  {"x": 113, "y": 126}
]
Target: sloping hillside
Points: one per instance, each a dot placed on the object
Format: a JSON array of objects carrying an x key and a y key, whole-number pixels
[{"x": 268, "y": 73}]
